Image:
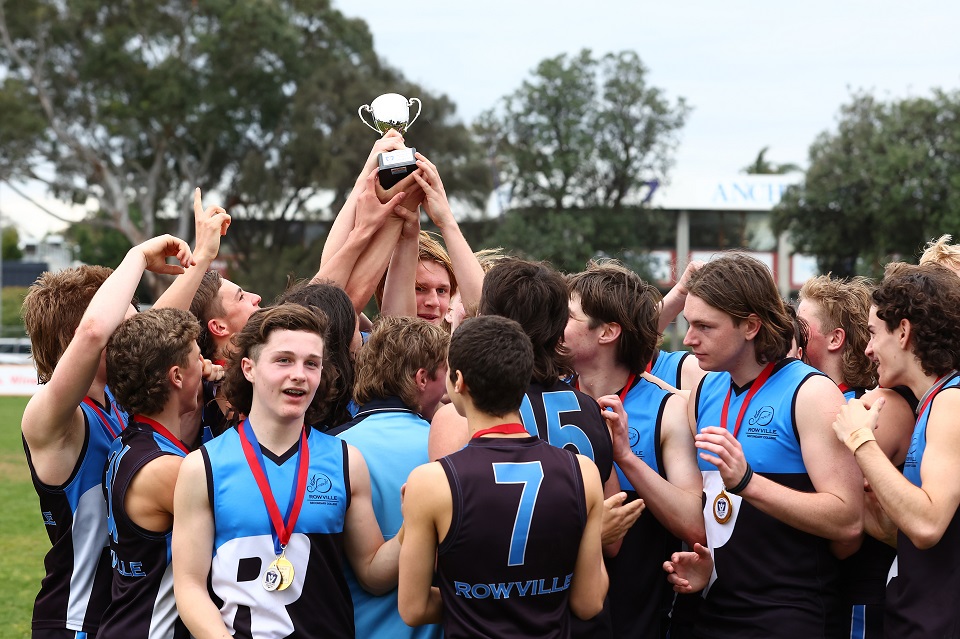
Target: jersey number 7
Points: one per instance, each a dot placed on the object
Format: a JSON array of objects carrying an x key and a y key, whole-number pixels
[{"x": 530, "y": 474}]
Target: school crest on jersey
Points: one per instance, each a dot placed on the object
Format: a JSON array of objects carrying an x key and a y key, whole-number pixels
[
  {"x": 318, "y": 491},
  {"x": 758, "y": 426}
]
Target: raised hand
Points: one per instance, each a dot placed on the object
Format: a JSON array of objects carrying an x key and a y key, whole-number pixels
[
  {"x": 156, "y": 251},
  {"x": 617, "y": 421},
  {"x": 435, "y": 201},
  {"x": 371, "y": 210},
  {"x": 210, "y": 224}
]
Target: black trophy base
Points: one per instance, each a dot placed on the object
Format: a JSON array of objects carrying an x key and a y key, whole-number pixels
[{"x": 396, "y": 165}]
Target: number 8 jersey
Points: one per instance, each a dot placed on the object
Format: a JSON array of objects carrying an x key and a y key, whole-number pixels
[
  {"x": 317, "y": 603},
  {"x": 506, "y": 563}
]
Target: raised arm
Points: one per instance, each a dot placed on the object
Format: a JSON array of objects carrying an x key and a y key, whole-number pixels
[
  {"x": 400, "y": 287},
  {"x": 375, "y": 562},
  {"x": 672, "y": 303},
  {"x": 210, "y": 225},
  {"x": 346, "y": 218},
  {"x": 52, "y": 421},
  {"x": 465, "y": 264},
  {"x": 371, "y": 219}
]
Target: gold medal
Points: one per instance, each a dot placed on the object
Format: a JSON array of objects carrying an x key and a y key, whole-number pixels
[
  {"x": 722, "y": 508},
  {"x": 285, "y": 568},
  {"x": 272, "y": 579}
]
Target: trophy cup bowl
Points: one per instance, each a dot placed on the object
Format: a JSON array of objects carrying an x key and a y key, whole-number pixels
[{"x": 392, "y": 111}]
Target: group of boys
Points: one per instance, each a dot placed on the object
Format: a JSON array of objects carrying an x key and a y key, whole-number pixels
[{"x": 555, "y": 461}]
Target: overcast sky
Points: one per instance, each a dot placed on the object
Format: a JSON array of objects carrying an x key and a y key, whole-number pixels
[{"x": 756, "y": 74}]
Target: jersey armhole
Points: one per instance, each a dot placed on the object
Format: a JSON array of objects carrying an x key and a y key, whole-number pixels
[
  {"x": 793, "y": 407},
  {"x": 346, "y": 472},
  {"x": 456, "y": 509},
  {"x": 208, "y": 470},
  {"x": 657, "y": 434},
  {"x": 683, "y": 358},
  {"x": 140, "y": 530},
  {"x": 76, "y": 467},
  {"x": 581, "y": 490},
  {"x": 696, "y": 401}
]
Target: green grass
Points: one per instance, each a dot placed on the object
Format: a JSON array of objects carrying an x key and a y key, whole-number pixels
[{"x": 23, "y": 542}]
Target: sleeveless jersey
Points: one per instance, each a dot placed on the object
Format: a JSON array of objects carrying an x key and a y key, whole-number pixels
[
  {"x": 505, "y": 566},
  {"x": 75, "y": 591},
  {"x": 393, "y": 441},
  {"x": 640, "y": 597},
  {"x": 142, "y": 604},
  {"x": 568, "y": 418},
  {"x": 770, "y": 580},
  {"x": 317, "y": 603},
  {"x": 668, "y": 366},
  {"x": 921, "y": 600}
]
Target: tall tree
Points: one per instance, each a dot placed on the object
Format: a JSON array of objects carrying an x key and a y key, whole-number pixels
[
  {"x": 582, "y": 143},
  {"x": 880, "y": 186},
  {"x": 135, "y": 104},
  {"x": 763, "y": 166}
]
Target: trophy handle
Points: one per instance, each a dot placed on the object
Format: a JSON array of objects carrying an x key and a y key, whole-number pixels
[
  {"x": 419, "y": 106},
  {"x": 366, "y": 107}
]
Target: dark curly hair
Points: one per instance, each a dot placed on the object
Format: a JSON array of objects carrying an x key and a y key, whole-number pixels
[
  {"x": 141, "y": 352},
  {"x": 928, "y": 296},
  {"x": 249, "y": 342},
  {"x": 338, "y": 367}
]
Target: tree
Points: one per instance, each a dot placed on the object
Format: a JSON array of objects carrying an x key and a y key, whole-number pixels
[
  {"x": 11, "y": 244},
  {"x": 582, "y": 143},
  {"x": 136, "y": 104},
  {"x": 762, "y": 166},
  {"x": 879, "y": 187}
]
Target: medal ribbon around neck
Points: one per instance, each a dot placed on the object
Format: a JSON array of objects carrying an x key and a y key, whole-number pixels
[
  {"x": 843, "y": 387},
  {"x": 251, "y": 450},
  {"x": 936, "y": 388},
  {"x": 754, "y": 387},
  {"x": 162, "y": 431},
  {"x": 502, "y": 429},
  {"x": 103, "y": 418},
  {"x": 626, "y": 389}
]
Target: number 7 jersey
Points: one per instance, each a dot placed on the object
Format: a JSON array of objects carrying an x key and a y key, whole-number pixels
[{"x": 506, "y": 564}]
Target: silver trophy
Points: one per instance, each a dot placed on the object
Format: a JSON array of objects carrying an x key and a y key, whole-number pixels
[{"x": 390, "y": 111}]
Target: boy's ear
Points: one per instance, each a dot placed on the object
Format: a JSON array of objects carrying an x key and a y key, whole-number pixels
[
  {"x": 218, "y": 328},
  {"x": 174, "y": 377}
]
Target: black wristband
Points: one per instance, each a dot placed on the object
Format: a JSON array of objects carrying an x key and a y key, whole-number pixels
[{"x": 747, "y": 476}]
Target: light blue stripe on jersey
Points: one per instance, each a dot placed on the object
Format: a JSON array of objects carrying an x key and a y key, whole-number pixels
[{"x": 858, "y": 623}]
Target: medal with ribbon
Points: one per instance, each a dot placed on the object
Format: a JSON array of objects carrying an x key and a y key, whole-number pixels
[
  {"x": 722, "y": 504},
  {"x": 279, "y": 574}
]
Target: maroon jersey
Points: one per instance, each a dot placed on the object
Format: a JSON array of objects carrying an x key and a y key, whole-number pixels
[{"x": 506, "y": 564}]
